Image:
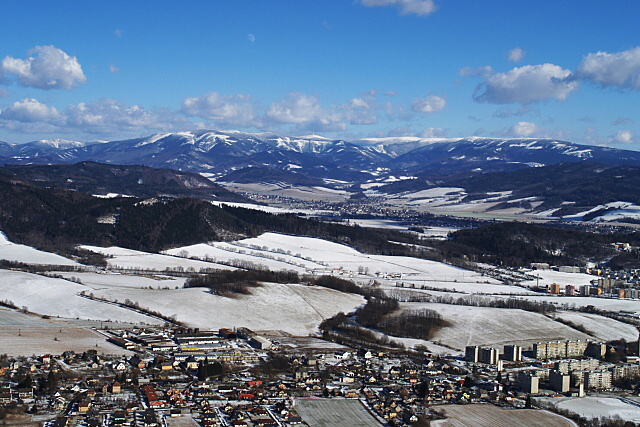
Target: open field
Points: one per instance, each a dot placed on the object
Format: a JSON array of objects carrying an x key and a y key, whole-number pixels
[
  {"x": 22, "y": 334},
  {"x": 18, "y": 341},
  {"x": 58, "y": 297},
  {"x": 129, "y": 258},
  {"x": 295, "y": 309},
  {"x": 495, "y": 326},
  {"x": 28, "y": 255},
  {"x": 596, "y": 407},
  {"x": 335, "y": 413},
  {"x": 116, "y": 280},
  {"x": 603, "y": 328},
  {"x": 486, "y": 415}
]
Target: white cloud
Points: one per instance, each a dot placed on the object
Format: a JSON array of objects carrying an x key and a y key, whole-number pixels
[
  {"x": 623, "y": 137},
  {"x": 362, "y": 110},
  {"x": 484, "y": 72},
  {"x": 3, "y": 92},
  {"x": 526, "y": 85},
  {"x": 620, "y": 69},
  {"x": 251, "y": 37},
  {"x": 295, "y": 108},
  {"x": 430, "y": 104},
  {"x": 433, "y": 133},
  {"x": 31, "y": 110},
  {"x": 113, "y": 69},
  {"x": 118, "y": 32},
  {"x": 47, "y": 67},
  {"x": 406, "y": 7},
  {"x": 523, "y": 129},
  {"x": 306, "y": 113},
  {"x": 105, "y": 116},
  {"x": 224, "y": 110},
  {"x": 622, "y": 121},
  {"x": 516, "y": 54}
]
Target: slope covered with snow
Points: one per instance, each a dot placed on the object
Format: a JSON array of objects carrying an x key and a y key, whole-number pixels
[{"x": 28, "y": 255}]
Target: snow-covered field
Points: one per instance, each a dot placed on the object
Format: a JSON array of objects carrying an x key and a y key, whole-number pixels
[
  {"x": 601, "y": 327},
  {"x": 131, "y": 259},
  {"x": 116, "y": 280},
  {"x": 331, "y": 255},
  {"x": 241, "y": 254},
  {"x": 58, "y": 297},
  {"x": 495, "y": 326},
  {"x": 487, "y": 415},
  {"x": 28, "y": 255},
  {"x": 295, "y": 309},
  {"x": 596, "y": 407},
  {"x": 610, "y": 304}
]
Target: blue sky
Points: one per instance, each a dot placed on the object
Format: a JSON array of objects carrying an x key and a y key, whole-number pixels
[{"x": 347, "y": 69}]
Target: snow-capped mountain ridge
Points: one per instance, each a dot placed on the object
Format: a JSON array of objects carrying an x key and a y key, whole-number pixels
[{"x": 220, "y": 152}]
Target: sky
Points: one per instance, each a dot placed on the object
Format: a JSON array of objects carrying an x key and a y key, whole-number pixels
[{"x": 348, "y": 69}]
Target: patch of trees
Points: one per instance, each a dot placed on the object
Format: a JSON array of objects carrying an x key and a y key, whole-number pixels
[
  {"x": 207, "y": 369},
  {"x": 421, "y": 323},
  {"x": 573, "y": 325},
  {"x": 225, "y": 282},
  {"x": 380, "y": 313},
  {"x": 274, "y": 364}
]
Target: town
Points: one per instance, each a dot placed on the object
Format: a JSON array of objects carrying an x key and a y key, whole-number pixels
[{"x": 235, "y": 377}]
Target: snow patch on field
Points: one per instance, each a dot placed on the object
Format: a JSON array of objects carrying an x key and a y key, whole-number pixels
[{"x": 28, "y": 255}]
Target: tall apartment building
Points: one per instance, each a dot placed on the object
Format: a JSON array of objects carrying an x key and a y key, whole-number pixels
[
  {"x": 476, "y": 354},
  {"x": 559, "y": 381},
  {"x": 529, "y": 383},
  {"x": 598, "y": 380},
  {"x": 488, "y": 355},
  {"x": 625, "y": 371},
  {"x": 567, "y": 366},
  {"x": 559, "y": 349},
  {"x": 513, "y": 353},
  {"x": 471, "y": 353}
]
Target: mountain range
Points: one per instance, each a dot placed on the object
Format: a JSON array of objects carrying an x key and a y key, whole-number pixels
[{"x": 222, "y": 152}]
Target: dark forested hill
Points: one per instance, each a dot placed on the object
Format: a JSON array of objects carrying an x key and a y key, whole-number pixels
[
  {"x": 519, "y": 244},
  {"x": 137, "y": 181},
  {"x": 57, "y": 220}
]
